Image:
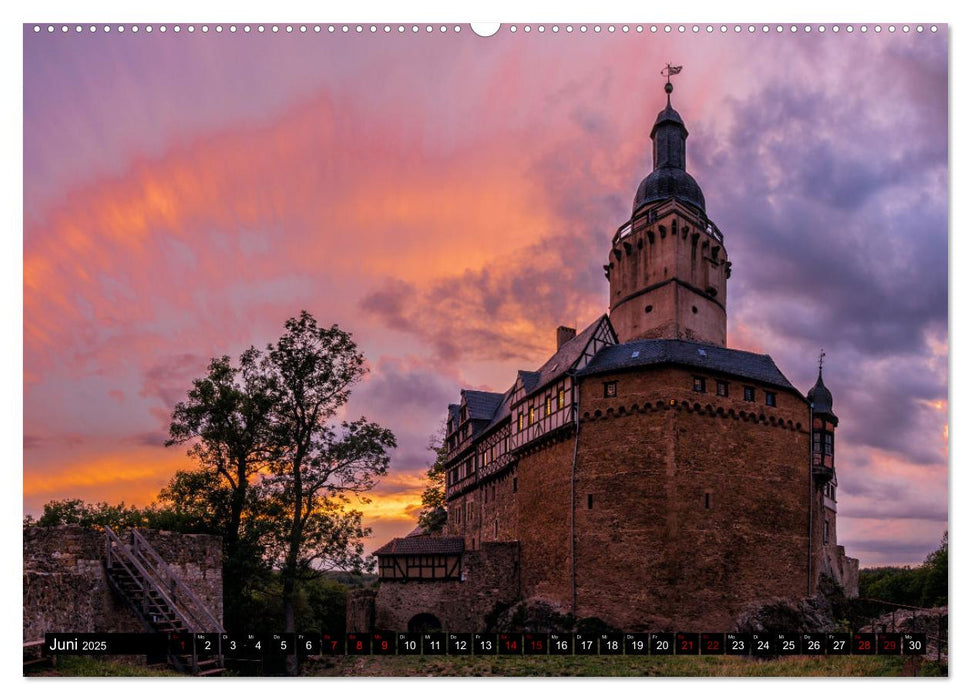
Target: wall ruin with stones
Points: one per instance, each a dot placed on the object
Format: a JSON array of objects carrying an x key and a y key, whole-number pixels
[{"x": 66, "y": 588}]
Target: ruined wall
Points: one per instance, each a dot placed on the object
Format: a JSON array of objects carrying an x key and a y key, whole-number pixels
[
  {"x": 360, "y": 610},
  {"x": 842, "y": 569},
  {"x": 490, "y": 578},
  {"x": 697, "y": 509},
  {"x": 66, "y": 588}
]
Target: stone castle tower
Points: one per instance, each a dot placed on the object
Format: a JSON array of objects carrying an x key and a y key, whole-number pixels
[
  {"x": 668, "y": 264},
  {"x": 646, "y": 474}
]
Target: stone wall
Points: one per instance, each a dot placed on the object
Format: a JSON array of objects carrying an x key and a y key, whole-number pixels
[
  {"x": 689, "y": 506},
  {"x": 842, "y": 569},
  {"x": 66, "y": 588},
  {"x": 697, "y": 508},
  {"x": 490, "y": 577}
]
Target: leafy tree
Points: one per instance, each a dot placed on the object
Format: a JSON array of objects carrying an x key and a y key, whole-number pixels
[
  {"x": 433, "y": 515},
  {"x": 74, "y": 511},
  {"x": 315, "y": 465},
  {"x": 922, "y": 586},
  {"x": 934, "y": 592},
  {"x": 226, "y": 420}
]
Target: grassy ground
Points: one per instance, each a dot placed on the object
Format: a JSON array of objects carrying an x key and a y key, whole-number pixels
[
  {"x": 697, "y": 666},
  {"x": 529, "y": 666},
  {"x": 86, "y": 666}
]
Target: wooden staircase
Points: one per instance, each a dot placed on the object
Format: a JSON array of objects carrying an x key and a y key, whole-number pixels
[{"x": 161, "y": 601}]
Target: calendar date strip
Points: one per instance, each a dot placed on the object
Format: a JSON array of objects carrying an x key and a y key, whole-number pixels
[{"x": 262, "y": 646}]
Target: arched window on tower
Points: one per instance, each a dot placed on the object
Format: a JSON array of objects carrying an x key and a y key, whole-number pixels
[{"x": 823, "y": 443}]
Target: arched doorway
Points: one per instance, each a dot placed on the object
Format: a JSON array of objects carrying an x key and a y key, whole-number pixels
[{"x": 424, "y": 622}]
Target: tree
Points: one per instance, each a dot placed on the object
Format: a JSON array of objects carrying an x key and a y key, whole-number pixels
[
  {"x": 226, "y": 418},
  {"x": 934, "y": 592},
  {"x": 433, "y": 515},
  {"x": 74, "y": 511},
  {"x": 315, "y": 466}
]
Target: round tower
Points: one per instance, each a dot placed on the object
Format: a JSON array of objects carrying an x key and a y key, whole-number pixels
[
  {"x": 668, "y": 266},
  {"x": 824, "y": 429}
]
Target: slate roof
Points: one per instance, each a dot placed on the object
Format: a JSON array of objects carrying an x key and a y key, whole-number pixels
[
  {"x": 482, "y": 404},
  {"x": 821, "y": 397},
  {"x": 529, "y": 379},
  {"x": 504, "y": 410},
  {"x": 495, "y": 407},
  {"x": 642, "y": 353},
  {"x": 564, "y": 358},
  {"x": 422, "y": 544}
]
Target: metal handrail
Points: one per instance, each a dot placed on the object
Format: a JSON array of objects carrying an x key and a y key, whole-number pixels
[
  {"x": 160, "y": 567},
  {"x": 121, "y": 547}
]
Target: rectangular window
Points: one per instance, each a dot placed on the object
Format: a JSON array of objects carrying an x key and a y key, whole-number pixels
[
  {"x": 532, "y": 415},
  {"x": 825, "y": 532},
  {"x": 770, "y": 398},
  {"x": 589, "y": 501},
  {"x": 610, "y": 390},
  {"x": 520, "y": 421},
  {"x": 750, "y": 393},
  {"x": 721, "y": 388},
  {"x": 700, "y": 384},
  {"x": 549, "y": 405},
  {"x": 707, "y": 500},
  {"x": 561, "y": 399},
  {"x": 515, "y": 484}
]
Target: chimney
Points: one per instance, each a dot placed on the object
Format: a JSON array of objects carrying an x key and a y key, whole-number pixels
[{"x": 563, "y": 334}]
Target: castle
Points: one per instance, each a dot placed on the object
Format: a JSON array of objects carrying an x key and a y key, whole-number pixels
[{"x": 645, "y": 474}]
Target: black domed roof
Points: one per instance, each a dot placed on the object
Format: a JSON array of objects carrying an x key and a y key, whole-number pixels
[
  {"x": 669, "y": 179},
  {"x": 665, "y": 183},
  {"x": 668, "y": 114},
  {"x": 820, "y": 397}
]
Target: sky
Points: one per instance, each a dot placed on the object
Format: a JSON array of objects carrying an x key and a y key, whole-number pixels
[{"x": 449, "y": 199}]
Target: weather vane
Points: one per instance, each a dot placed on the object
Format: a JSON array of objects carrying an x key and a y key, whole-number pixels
[
  {"x": 822, "y": 354},
  {"x": 668, "y": 71}
]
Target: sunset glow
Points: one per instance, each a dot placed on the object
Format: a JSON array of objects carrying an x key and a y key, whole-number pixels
[{"x": 450, "y": 200}]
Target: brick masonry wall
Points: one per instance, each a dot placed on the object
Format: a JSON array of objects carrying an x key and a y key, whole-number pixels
[
  {"x": 650, "y": 555},
  {"x": 66, "y": 589},
  {"x": 491, "y": 578},
  {"x": 544, "y": 521}
]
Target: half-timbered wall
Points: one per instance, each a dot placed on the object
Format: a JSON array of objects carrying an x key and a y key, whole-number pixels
[
  {"x": 542, "y": 412},
  {"x": 420, "y": 567}
]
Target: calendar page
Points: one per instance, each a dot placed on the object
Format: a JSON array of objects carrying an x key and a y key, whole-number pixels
[{"x": 522, "y": 349}]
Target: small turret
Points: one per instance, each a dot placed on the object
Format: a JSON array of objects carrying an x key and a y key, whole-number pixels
[{"x": 824, "y": 427}]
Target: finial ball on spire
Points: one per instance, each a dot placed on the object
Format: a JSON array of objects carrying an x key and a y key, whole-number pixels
[{"x": 668, "y": 87}]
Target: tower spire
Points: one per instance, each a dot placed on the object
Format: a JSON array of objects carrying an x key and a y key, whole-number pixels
[{"x": 668, "y": 71}]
